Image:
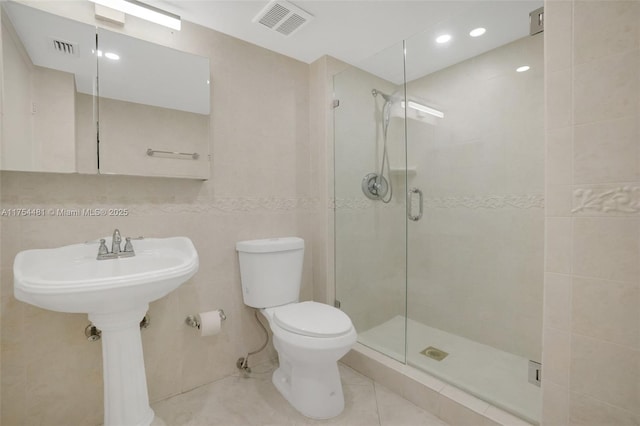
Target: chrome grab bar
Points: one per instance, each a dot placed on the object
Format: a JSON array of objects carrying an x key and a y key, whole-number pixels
[
  {"x": 410, "y": 214},
  {"x": 193, "y": 155}
]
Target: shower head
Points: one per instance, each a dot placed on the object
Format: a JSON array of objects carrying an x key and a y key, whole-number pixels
[{"x": 386, "y": 97}]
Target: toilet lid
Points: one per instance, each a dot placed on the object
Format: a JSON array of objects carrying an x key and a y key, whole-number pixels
[{"x": 312, "y": 319}]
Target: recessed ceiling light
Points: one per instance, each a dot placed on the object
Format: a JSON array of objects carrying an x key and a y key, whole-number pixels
[
  {"x": 477, "y": 32},
  {"x": 523, "y": 68},
  {"x": 112, "y": 56},
  {"x": 443, "y": 38}
]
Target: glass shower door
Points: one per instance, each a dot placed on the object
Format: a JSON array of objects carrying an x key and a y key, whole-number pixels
[
  {"x": 369, "y": 191},
  {"x": 439, "y": 208},
  {"x": 475, "y": 148}
]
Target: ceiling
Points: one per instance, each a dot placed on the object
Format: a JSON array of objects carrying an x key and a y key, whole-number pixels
[
  {"x": 355, "y": 30},
  {"x": 367, "y": 34}
]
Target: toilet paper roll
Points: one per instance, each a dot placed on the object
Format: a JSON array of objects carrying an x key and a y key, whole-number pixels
[{"x": 209, "y": 323}]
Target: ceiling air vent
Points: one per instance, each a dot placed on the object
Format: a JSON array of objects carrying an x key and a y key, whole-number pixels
[
  {"x": 283, "y": 17},
  {"x": 65, "y": 47}
]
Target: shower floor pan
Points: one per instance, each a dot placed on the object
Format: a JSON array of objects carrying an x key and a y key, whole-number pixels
[{"x": 495, "y": 376}]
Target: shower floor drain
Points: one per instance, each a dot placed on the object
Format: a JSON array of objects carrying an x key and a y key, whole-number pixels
[{"x": 434, "y": 353}]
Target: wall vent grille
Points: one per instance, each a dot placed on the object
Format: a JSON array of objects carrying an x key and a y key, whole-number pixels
[
  {"x": 283, "y": 17},
  {"x": 65, "y": 47}
]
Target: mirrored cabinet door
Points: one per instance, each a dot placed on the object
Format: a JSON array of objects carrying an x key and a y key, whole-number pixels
[
  {"x": 49, "y": 71},
  {"x": 81, "y": 99},
  {"x": 153, "y": 109}
]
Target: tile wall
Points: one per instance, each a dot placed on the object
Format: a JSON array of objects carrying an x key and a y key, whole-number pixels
[
  {"x": 591, "y": 336},
  {"x": 260, "y": 186},
  {"x": 475, "y": 258}
]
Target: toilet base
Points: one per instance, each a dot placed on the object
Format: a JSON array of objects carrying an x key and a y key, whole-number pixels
[{"x": 314, "y": 390}]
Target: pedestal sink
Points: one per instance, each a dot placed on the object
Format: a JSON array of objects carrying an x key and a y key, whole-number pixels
[{"x": 116, "y": 295}]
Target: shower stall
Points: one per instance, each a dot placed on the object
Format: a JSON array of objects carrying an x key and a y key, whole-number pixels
[{"x": 439, "y": 165}]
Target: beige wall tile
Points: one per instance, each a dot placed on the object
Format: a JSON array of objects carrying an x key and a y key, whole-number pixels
[
  {"x": 606, "y": 372},
  {"x": 421, "y": 395},
  {"x": 454, "y": 413},
  {"x": 557, "y": 301},
  {"x": 606, "y": 248},
  {"x": 606, "y": 151},
  {"x": 556, "y": 356},
  {"x": 607, "y": 200},
  {"x": 558, "y": 237},
  {"x": 497, "y": 416},
  {"x": 606, "y": 89},
  {"x": 558, "y": 35},
  {"x": 555, "y": 405},
  {"x": 558, "y": 200},
  {"x": 603, "y": 47},
  {"x": 607, "y": 310},
  {"x": 558, "y": 99},
  {"x": 586, "y": 411},
  {"x": 559, "y": 159},
  {"x": 617, "y": 29}
]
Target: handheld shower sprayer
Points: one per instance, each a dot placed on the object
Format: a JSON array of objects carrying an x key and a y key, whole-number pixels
[{"x": 374, "y": 185}]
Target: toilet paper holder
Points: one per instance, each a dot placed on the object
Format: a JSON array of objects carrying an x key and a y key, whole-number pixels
[{"x": 192, "y": 320}]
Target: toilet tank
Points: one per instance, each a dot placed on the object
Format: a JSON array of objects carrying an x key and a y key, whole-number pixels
[{"x": 271, "y": 271}]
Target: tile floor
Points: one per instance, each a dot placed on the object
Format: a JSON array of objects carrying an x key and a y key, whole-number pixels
[{"x": 254, "y": 401}]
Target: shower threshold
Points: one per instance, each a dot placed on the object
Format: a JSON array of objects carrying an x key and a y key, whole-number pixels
[{"x": 496, "y": 376}]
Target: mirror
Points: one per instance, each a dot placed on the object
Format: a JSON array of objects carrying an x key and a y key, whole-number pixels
[
  {"x": 147, "y": 114},
  {"x": 47, "y": 63},
  {"x": 153, "y": 100}
]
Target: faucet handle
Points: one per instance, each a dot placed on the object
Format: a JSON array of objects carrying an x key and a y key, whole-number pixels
[
  {"x": 128, "y": 247},
  {"x": 102, "y": 250}
]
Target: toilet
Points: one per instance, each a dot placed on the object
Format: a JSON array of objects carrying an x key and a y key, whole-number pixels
[{"x": 309, "y": 337}]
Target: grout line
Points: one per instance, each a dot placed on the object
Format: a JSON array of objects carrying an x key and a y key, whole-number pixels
[{"x": 375, "y": 398}]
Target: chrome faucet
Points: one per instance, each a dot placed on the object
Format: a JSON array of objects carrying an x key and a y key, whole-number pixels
[
  {"x": 115, "y": 242},
  {"x": 116, "y": 251}
]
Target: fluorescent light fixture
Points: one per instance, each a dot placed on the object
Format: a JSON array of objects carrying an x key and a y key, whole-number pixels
[
  {"x": 523, "y": 68},
  {"x": 424, "y": 108},
  {"x": 477, "y": 32},
  {"x": 144, "y": 11},
  {"x": 443, "y": 38}
]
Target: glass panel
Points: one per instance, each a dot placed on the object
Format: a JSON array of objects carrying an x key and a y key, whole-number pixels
[
  {"x": 49, "y": 71},
  {"x": 370, "y": 256},
  {"x": 154, "y": 109},
  {"x": 475, "y": 144}
]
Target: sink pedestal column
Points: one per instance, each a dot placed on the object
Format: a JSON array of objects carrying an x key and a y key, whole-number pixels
[{"x": 126, "y": 401}]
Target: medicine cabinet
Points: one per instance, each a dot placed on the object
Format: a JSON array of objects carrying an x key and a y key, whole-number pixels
[{"x": 81, "y": 99}]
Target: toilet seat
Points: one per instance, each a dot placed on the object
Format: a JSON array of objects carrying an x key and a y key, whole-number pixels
[{"x": 312, "y": 319}]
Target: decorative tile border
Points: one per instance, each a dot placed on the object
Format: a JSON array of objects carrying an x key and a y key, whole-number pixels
[
  {"x": 622, "y": 199},
  {"x": 353, "y": 203},
  {"x": 234, "y": 205},
  {"x": 239, "y": 205},
  {"x": 526, "y": 201}
]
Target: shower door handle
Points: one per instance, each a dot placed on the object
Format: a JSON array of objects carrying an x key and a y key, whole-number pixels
[{"x": 410, "y": 214}]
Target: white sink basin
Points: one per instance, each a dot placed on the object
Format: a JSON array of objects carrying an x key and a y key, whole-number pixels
[
  {"x": 70, "y": 279},
  {"x": 116, "y": 294}
]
